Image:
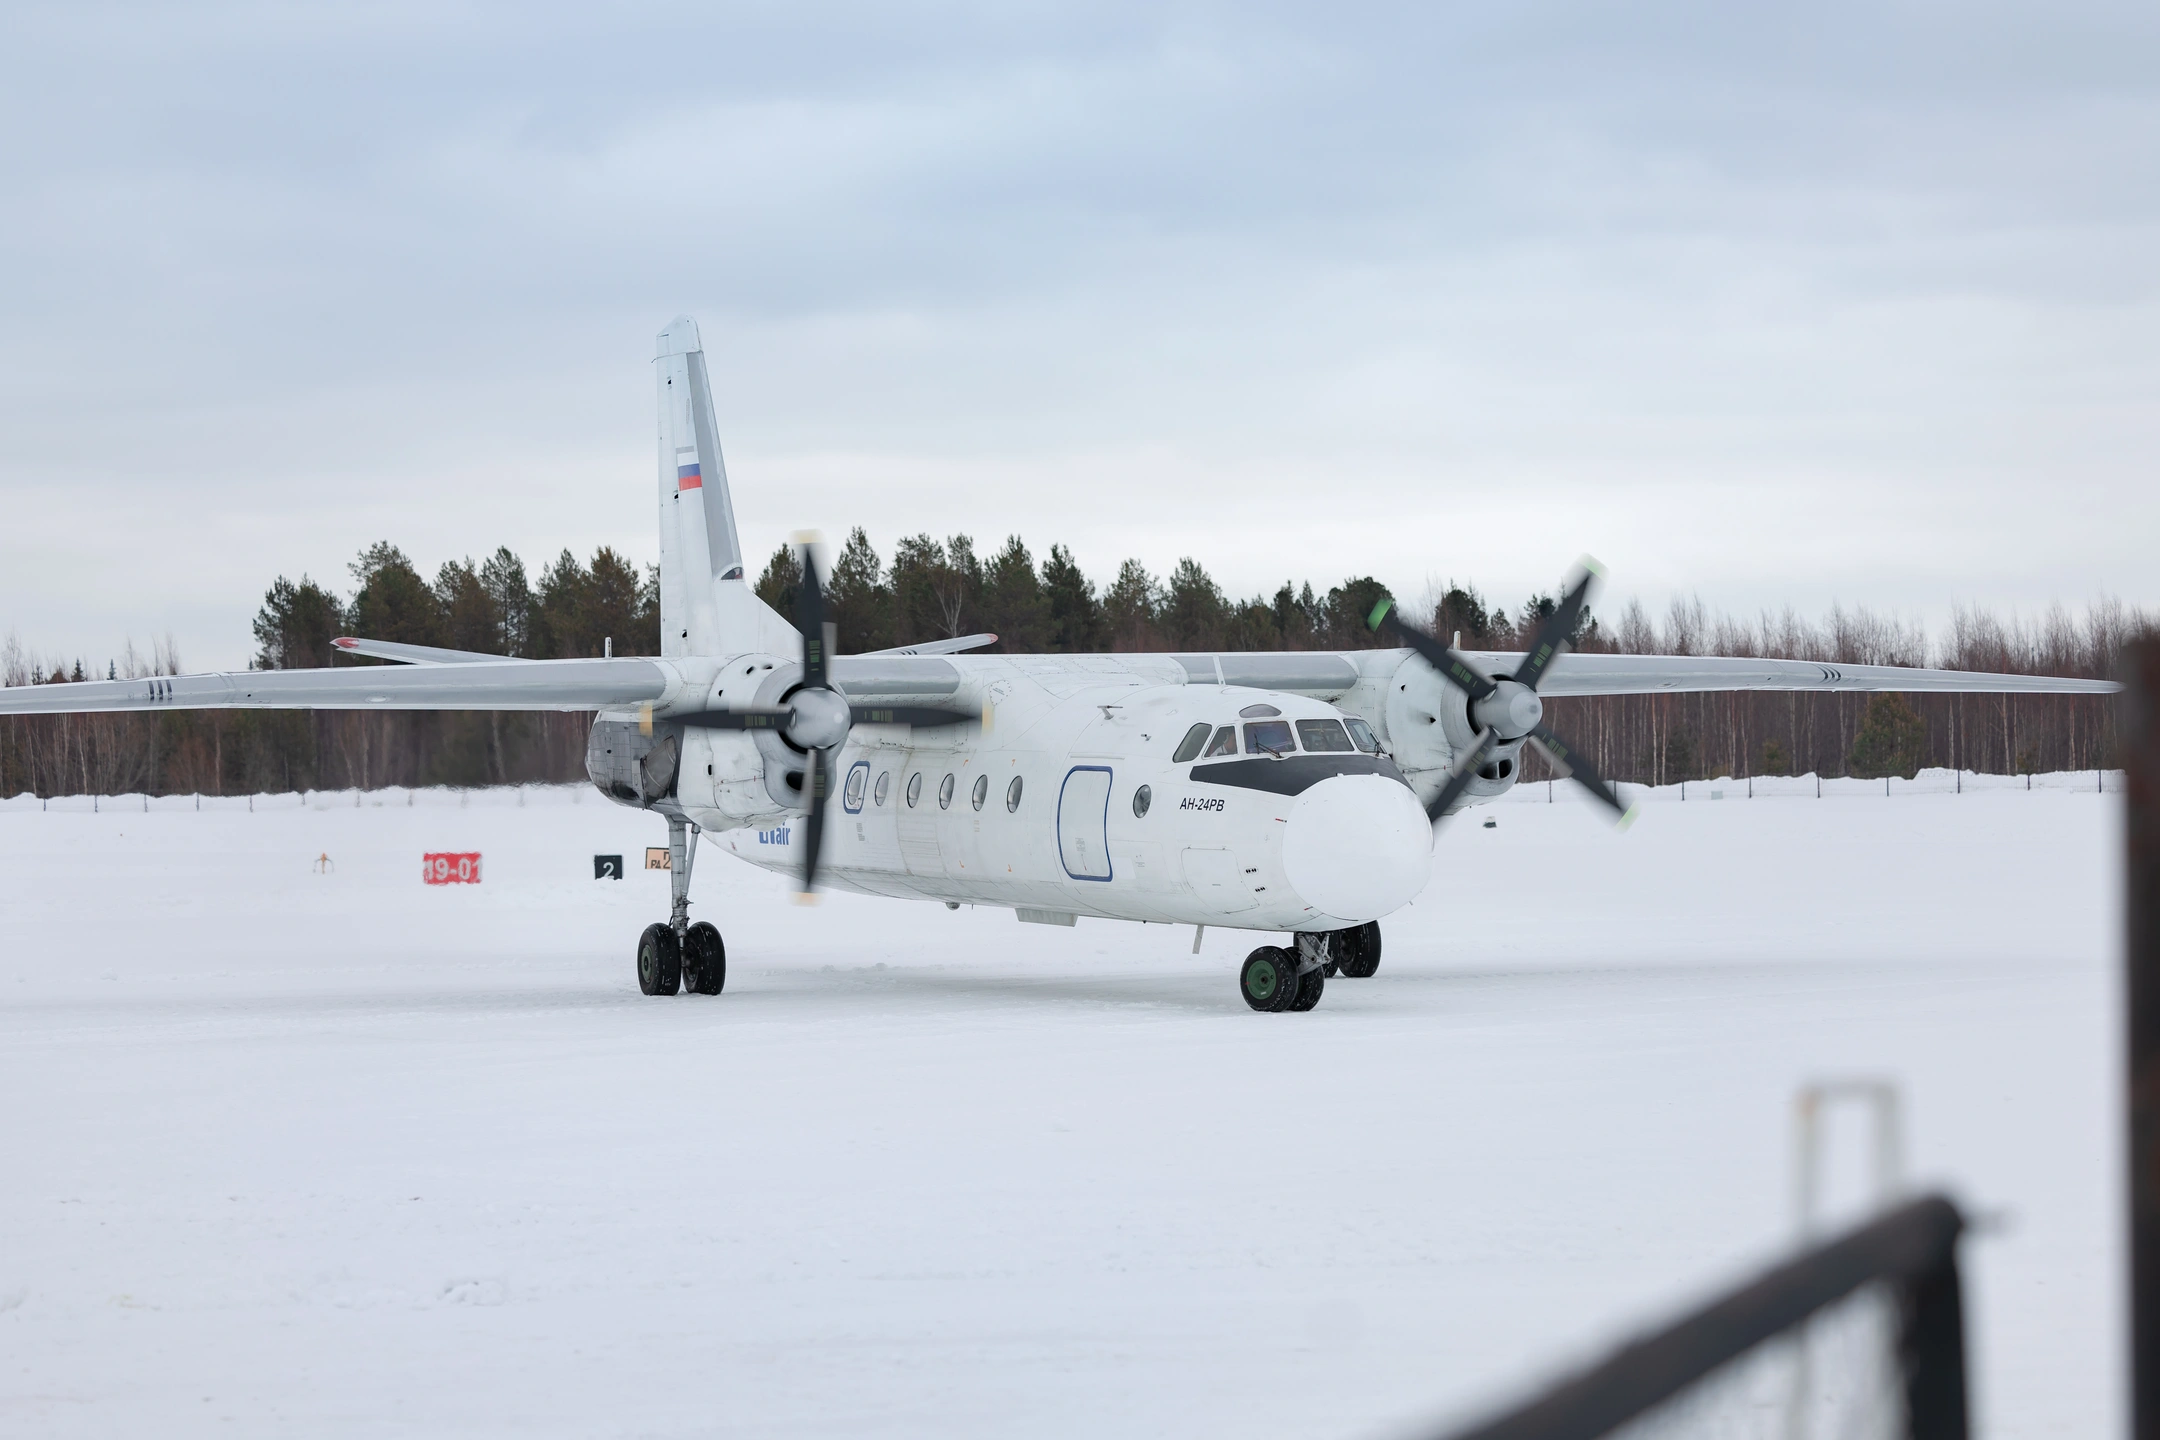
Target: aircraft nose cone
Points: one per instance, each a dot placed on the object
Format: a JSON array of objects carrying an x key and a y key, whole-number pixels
[{"x": 1357, "y": 847}]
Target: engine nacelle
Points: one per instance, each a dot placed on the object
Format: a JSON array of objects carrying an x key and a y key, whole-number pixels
[
  {"x": 1429, "y": 724},
  {"x": 635, "y": 765},
  {"x": 677, "y": 769}
]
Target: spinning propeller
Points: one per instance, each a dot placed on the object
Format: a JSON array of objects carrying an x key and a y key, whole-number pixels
[
  {"x": 1507, "y": 707},
  {"x": 815, "y": 718}
]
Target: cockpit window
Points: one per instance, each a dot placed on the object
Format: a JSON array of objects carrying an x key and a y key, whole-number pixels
[
  {"x": 1269, "y": 737},
  {"x": 1322, "y": 735},
  {"x": 1362, "y": 734},
  {"x": 1190, "y": 745},
  {"x": 1225, "y": 743}
]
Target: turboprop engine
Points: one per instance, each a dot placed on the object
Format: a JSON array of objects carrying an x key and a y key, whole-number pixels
[
  {"x": 1444, "y": 711},
  {"x": 766, "y": 753}
]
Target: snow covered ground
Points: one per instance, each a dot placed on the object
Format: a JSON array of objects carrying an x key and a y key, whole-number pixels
[{"x": 292, "y": 1153}]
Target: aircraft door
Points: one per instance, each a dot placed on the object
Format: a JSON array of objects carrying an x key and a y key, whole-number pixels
[{"x": 1083, "y": 822}]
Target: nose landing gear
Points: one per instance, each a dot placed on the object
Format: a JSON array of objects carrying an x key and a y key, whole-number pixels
[
  {"x": 678, "y": 955},
  {"x": 1275, "y": 979}
]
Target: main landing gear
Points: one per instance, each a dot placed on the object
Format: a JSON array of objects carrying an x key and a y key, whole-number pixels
[
  {"x": 679, "y": 955},
  {"x": 1276, "y": 979}
]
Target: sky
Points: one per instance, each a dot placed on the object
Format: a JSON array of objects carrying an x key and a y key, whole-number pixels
[{"x": 1839, "y": 303}]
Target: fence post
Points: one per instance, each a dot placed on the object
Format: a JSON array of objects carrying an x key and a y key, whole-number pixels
[
  {"x": 1934, "y": 1352},
  {"x": 2139, "y": 736}
]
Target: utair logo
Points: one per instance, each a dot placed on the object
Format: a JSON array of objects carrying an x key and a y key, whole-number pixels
[{"x": 773, "y": 837}]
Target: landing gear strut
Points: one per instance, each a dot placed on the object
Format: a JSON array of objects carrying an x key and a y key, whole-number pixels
[{"x": 679, "y": 955}]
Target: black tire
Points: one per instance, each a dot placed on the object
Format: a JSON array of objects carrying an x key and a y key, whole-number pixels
[
  {"x": 704, "y": 960},
  {"x": 1310, "y": 984},
  {"x": 659, "y": 962},
  {"x": 1268, "y": 979},
  {"x": 1357, "y": 951}
]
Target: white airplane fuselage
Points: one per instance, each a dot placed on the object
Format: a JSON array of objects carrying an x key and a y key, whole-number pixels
[{"x": 1090, "y": 789}]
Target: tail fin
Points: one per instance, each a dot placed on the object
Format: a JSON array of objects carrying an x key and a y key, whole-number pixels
[{"x": 706, "y": 604}]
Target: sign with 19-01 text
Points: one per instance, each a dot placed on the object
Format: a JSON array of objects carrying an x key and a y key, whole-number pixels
[{"x": 445, "y": 867}]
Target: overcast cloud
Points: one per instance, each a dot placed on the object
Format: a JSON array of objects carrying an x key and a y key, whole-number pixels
[{"x": 1849, "y": 303}]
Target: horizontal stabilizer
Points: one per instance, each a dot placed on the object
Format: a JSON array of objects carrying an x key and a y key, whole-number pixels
[
  {"x": 940, "y": 647},
  {"x": 414, "y": 654}
]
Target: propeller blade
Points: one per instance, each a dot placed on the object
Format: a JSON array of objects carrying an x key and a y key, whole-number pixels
[
  {"x": 1570, "y": 764},
  {"x": 819, "y": 779},
  {"x": 1445, "y": 658},
  {"x": 810, "y": 619},
  {"x": 917, "y": 715},
  {"x": 763, "y": 717},
  {"x": 1459, "y": 775},
  {"x": 1558, "y": 629}
]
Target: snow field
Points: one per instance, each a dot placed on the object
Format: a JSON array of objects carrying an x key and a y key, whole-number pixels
[{"x": 346, "y": 1155}]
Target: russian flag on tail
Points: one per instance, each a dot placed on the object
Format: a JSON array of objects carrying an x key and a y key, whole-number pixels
[{"x": 687, "y": 474}]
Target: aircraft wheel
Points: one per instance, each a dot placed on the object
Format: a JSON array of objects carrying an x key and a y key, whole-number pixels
[
  {"x": 704, "y": 961},
  {"x": 1269, "y": 979},
  {"x": 1310, "y": 984},
  {"x": 1357, "y": 951},
  {"x": 659, "y": 963}
]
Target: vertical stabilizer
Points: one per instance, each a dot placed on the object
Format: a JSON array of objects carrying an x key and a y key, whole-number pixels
[{"x": 706, "y": 604}]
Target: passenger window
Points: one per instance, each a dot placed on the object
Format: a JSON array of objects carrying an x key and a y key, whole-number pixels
[
  {"x": 982, "y": 791},
  {"x": 1361, "y": 734},
  {"x": 1225, "y": 743},
  {"x": 884, "y": 785},
  {"x": 855, "y": 779},
  {"x": 914, "y": 789},
  {"x": 1190, "y": 745},
  {"x": 1325, "y": 735},
  {"x": 944, "y": 793},
  {"x": 1012, "y": 795},
  {"x": 1269, "y": 737}
]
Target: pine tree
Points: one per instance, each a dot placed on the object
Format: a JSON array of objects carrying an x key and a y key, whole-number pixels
[
  {"x": 1194, "y": 609},
  {"x": 470, "y": 619},
  {"x": 1891, "y": 740},
  {"x": 393, "y": 602},
  {"x": 295, "y": 626},
  {"x": 1075, "y": 614},
  {"x": 857, "y": 601},
  {"x": 503, "y": 576},
  {"x": 1132, "y": 608},
  {"x": 780, "y": 582}
]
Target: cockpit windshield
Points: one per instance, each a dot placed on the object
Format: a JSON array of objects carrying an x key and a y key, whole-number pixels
[
  {"x": 1269, "y": 737},
  {"x": 1330, "y": 735},
  {"x": 1323, "y": 735}
]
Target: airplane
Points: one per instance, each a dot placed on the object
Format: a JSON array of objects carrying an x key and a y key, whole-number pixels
[{"x": 1294, "y": 793}]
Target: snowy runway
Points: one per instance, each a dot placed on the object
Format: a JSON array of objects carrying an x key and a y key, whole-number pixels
[{"x": 347, "y": 1155}]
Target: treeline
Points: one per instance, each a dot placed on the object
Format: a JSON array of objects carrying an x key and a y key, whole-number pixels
[{"x": 936, "y": 588}]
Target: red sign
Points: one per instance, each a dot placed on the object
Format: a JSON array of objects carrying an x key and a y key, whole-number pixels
[{"x": 441, "y": 867}]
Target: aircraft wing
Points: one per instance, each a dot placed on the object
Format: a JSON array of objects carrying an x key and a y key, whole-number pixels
[
  {"x": 492, "y": 685},
  {"x": 1581, "y": 674}
]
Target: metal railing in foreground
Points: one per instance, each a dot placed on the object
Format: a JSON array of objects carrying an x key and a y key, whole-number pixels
[{"x": 1888, "y": 1290}]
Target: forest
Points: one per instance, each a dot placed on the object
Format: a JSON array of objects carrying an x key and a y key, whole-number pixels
[{"x": 934, "y": 588}]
